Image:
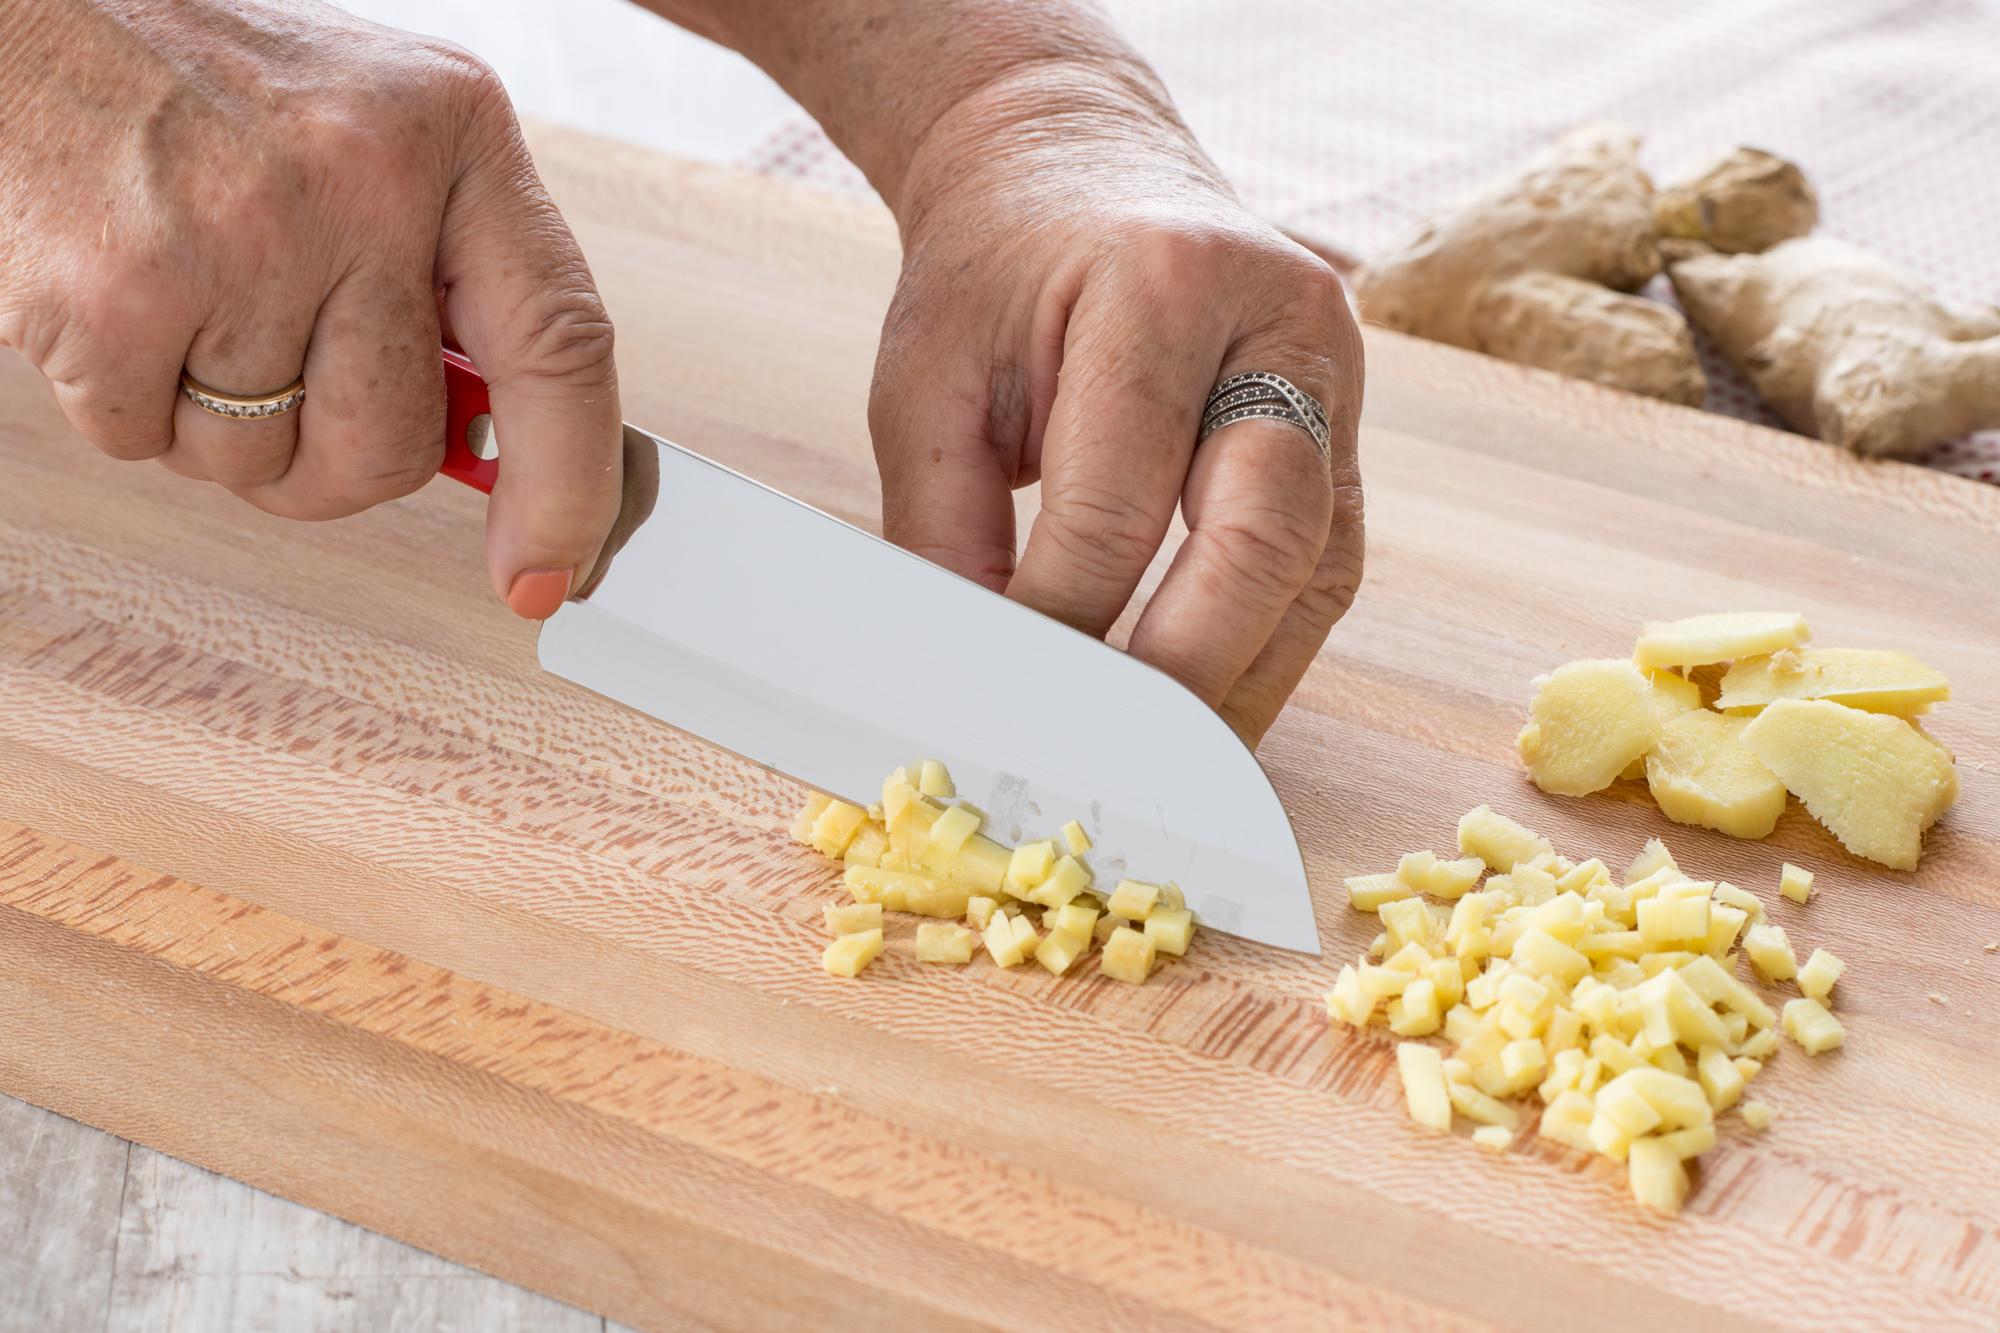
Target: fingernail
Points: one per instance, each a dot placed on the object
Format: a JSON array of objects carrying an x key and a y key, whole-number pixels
[{"x": 537, "y": 594}]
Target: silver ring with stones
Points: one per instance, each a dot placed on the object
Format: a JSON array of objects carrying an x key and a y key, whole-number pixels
[{"x": 1262, "y": 395}]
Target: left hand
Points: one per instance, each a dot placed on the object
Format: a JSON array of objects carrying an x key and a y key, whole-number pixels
[{"x": 1076, "y": 278}]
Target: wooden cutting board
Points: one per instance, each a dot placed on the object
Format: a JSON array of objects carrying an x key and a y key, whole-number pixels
[{"x": 309, "y": 875}]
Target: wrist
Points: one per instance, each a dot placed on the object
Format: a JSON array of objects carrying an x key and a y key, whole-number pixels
[{"x": 1028, "y": 127}]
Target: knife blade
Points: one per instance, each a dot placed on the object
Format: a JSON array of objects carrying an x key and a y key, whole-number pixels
[{"x": 773, "y": 630}]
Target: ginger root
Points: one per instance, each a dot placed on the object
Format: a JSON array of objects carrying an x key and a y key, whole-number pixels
[
  {"x": 1743, "y": 201},
  {"x": 1846, "y": 346},
  {"x": 1539, "y": 268}
]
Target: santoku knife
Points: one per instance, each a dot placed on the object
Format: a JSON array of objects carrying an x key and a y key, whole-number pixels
[{"x": 766, "y": 627}]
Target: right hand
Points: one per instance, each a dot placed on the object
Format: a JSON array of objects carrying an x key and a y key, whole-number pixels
[{"x": 257, "y": 192}]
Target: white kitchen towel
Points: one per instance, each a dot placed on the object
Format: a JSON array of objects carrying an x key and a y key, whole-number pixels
[{"x": 1347, "y": 121}]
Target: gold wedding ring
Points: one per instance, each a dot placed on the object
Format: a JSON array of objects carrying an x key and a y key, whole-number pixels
[{"x": 229, "y": 405}]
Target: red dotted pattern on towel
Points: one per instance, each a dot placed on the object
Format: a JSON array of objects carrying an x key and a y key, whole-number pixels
[{"x": 1348, "y": 121}]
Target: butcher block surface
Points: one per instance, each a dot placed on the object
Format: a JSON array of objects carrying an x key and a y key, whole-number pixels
[{"x": 310, "y": 875}]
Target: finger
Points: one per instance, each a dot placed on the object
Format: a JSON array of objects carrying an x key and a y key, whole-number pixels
[
  {"x": 372, "y": 425},
  {"x": 1258, "y": 503},
  {"x": 1113, "y": 458},
  {"x": 522, "y": 303},
  {"x": 245, "y": 353},
  {"x": 947, "y": 491},
  {"x": 1254, "y": 703},
  {"x": 116, "y": 367}
]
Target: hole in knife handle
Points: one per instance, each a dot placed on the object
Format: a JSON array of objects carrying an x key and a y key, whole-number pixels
[{"x": 480, "y": 439}]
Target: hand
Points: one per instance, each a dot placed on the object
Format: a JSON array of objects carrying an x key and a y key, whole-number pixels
[
  {"x": 263, "y": 191},
  {"x": 1076, "y": 278}
]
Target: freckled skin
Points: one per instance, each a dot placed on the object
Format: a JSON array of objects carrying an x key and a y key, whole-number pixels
[{"x": 259, "y": 190}]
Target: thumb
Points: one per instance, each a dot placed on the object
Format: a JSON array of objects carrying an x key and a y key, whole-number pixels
[{"x": 520, "y": 300}]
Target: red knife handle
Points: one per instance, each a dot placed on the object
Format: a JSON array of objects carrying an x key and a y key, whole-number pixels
[{"x": 468, "y": 426}]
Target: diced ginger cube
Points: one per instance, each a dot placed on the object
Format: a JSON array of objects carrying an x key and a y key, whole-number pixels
[
  {"x": 848, "y": 954},
  {"x": 1651, "y": 860},
  {"x": 1029, "y": 864},
  {"x": 951, "y": 829},
  {"x": 942, "y": 942},
  {"x": 1621, "y": 1104},
  {"x": 1075, "y": 838},
  {"x": 1475, "y": 1105},
  {"x": 1066, "y": 879},
  {"x": 1607, "y": 1138},
  {"x": 1105, "y": 926},
  {"x": 1493, "y": 1138},
  {"x": 815, "y": 806},
  {"x": 1876, "y": 781},
  {"x": 981, "y": 864},
  {"x": 934, "y": 780},
  {"x": 1720, "y": 637},
  {"x": 1688, "y": 1143},
  {"x": 1759, "y": 1045},
  {"x": 847, "y": 918},
  {"x": 1679, "y": 920},
  {"x": 1758, "y": 1115},
  {"x": 1497, "y": 840},
  {"x": 1680, "y": 1101},
  {"x": 836, "y": 827},
  {"x": 1701, "y": 773},
  {"x": 1408, "y": 921},
  {"x": 1771, "y": 952},
  {"x": 1566, "y": 1120},
  {"x": 1659, "y": 1178},
  {"x": 1812, "y": 1025},
  {"x": 1819, "y": 974},
  {"x": 1133, "y": 899},
  {"x": 1077, "y": 916},
  {"x": 1741, "y": 899},
  {"x": 1347, "y": 1002},
  {"x": 1024, "y": 932},
  {"x": 1170, "y": 929},
  {"x": 1588, "y": 720},
  {"x": 1127, "y": 956},
  {"x": 1873, "y": 679},
  {"x": 1171, "y": 896},
  {"x": 1424, "y": 1089},
  {"x": 898, "y": 795},
  {"x": 1795, "y": 883},
  {"x": 1445, "y": 880},
  {"x": 1059, "y": 949},
  {"x": 1377, "y": 981},
  {"x": 870, "y": 841},
  {"x": 1001, "y": 941},
  {"x": 1724, "y": 924},
  {"x": 1719, "y": 1077},
  {"x": 1447, "y": 978},
  {"x": 1415, "y": 1012},
  {"x": 1541, "y": 954},
  {"x": 979, "y": 910},
  {"x": 1367, "y": 893},
  {"x": 1523, "y": 1062}
]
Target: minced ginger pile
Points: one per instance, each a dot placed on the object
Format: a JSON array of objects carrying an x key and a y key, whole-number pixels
[
  {"x": 915, "y": 853},
  {"x": 1616, "y": 1004}
]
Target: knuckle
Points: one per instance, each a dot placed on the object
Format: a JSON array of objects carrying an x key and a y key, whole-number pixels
[
  {"x": 1268, "y": 553},
  {"x": 1099, "y": 533},
  {"x": 562, "y": 332}
]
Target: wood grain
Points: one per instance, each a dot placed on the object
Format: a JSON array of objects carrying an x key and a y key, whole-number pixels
[{"x": 483, "y": 962}]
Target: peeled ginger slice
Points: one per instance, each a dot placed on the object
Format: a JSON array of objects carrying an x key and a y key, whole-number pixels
[
  {"x": 1587, "y": 722},
  {"x": 1702, "y": 774},
  {"x": 1878, "y": 680},
  {"x": 1875, "y": 780},
  {"x": 1722, "y": 636}
]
